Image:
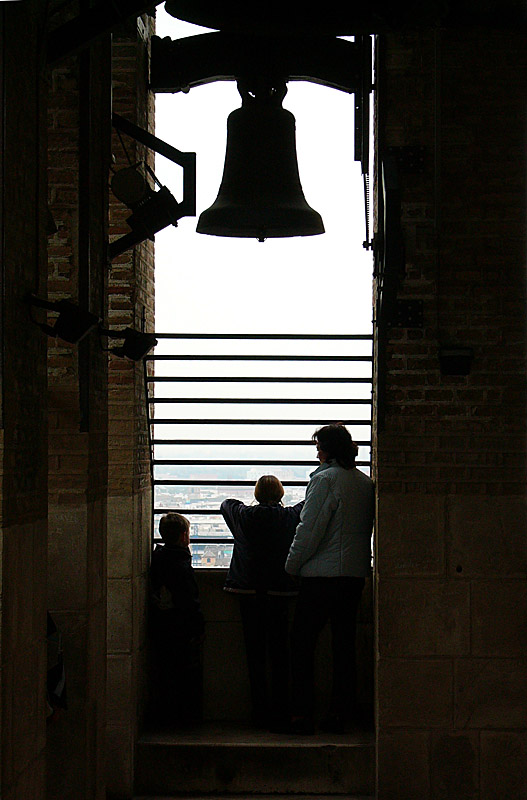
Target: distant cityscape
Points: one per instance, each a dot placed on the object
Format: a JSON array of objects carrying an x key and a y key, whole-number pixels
[{"x": 188, "y": 498}]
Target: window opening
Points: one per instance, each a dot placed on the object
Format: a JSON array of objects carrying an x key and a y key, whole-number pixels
[
  {"x": 301, "y": 381},
  {"x": 243, "y": 400}
]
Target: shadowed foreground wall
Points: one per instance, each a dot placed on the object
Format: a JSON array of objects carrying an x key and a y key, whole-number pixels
[
  {"x": 23, "y": 413},
  {"x": 451, "y": 657}
]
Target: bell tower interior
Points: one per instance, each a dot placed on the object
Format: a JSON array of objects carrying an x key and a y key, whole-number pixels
[{"x": 448, "y": 601}]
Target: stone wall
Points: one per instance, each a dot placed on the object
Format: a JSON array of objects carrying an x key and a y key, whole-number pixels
[
  {"x": 131, "y": 303},
  {"x": 23, "y": 414},
  {"x": 225, "y": 678},
  {"x": 451, "y": 658}
]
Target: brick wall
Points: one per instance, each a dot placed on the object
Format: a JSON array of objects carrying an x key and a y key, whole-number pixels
[
  {"x": 131, "y": 303},
  {"x": 78, "y": 165},
  {"x": 450, "y": 452}
]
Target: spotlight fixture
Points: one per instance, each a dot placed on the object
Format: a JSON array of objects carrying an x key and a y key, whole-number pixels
[
  {"x": 151, "y": 214},
  {"x": 72, "y": 323},
  {"x": 130, "y": 186},
  {"x": 151, "y": 210},
  {"x": 260, "y": 195},
  {"x": 136, "y": 344}
]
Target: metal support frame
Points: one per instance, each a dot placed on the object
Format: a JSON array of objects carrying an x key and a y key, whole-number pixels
[
  {"x": 187, "y": 207},
  {"x": 185, "y": 63},
  {"x": 389, "y": 267},
  {"x": 182, "y": 64}
]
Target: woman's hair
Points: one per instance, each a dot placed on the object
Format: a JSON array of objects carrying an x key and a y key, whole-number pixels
[
  {"x": 336, "y": 441},
  {"x": 268, "y": 489},
  {"x": 172, "y": 527}
]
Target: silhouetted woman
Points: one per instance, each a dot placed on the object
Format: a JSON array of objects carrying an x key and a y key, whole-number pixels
[{"x": 331, "y": 552}]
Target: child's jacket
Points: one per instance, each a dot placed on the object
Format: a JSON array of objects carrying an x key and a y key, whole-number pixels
[
  {"x": 262, "y": 536},
  {"x": 174, "y": 596}
]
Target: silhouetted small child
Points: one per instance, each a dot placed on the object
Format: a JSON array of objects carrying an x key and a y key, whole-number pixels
[{"x": 176, "y": 625}]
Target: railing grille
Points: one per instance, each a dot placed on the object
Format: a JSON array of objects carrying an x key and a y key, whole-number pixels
[{"x": 209, "y": 439}]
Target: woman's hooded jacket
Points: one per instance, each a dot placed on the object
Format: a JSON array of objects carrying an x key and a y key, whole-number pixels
[{"x": 333, "y": 538}]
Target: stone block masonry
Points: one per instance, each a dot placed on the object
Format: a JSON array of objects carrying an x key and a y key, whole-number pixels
[{"x": 451, "y": 450}]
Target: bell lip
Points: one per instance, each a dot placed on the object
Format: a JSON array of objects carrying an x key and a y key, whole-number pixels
[
  {"x": 271, "y": 230},
  {"x": 258, "y": 234}
]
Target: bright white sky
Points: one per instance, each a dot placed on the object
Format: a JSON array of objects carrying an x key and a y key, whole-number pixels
[{"x": 312, "y": 284}]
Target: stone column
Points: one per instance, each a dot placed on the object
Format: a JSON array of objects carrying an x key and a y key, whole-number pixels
[
  {"x": 451, "y": 601},
  {"x": 131, "y": 303}
]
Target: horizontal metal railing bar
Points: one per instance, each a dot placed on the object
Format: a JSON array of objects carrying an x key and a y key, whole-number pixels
[
  {"x": 290, "y": 336},
  {"x": 245, "y": 379},
  {"x": 242, "y": 463},
  {"x": 287, "y": 442},
  {"x": 199, "y": 511},
  {"x": 202, "y": 402},
  {"x": 265, "y": 400},
  {"x": 205, "y": 539},
  {"x": 216, "y": 421},
  {"x": 218, "y": 482},
  {"x": 211, "y": 357}
]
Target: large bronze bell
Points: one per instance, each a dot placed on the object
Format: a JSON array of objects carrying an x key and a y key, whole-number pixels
[{"x": 260, "y": 194}]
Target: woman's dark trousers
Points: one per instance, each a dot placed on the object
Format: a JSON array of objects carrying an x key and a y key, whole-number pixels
[
  {"x": 266, "y": 635},
  {"x": 320, "y": 600}
]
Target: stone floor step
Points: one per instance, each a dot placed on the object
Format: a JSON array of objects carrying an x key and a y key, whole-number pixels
[
  {"x": 257, "y": 797},
  {"x": 232, "y": 759}
]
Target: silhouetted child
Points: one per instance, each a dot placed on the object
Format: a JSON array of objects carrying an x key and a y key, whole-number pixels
[
  {"x": 262, "y": 536},
  {"x": 176, "y": 625}
]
